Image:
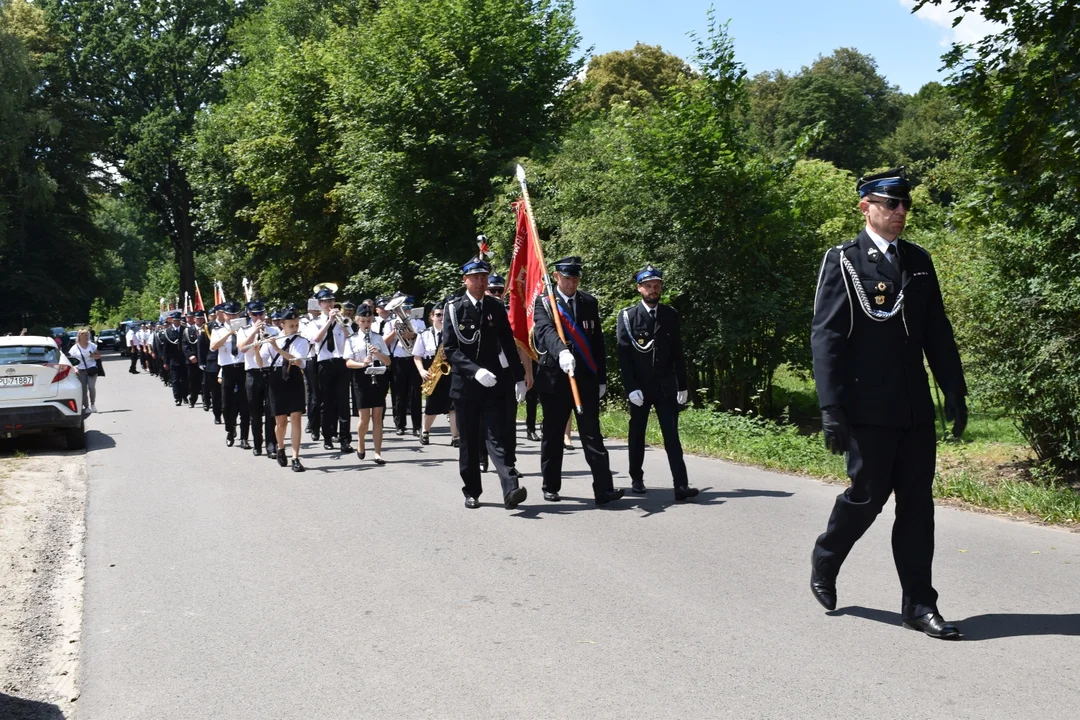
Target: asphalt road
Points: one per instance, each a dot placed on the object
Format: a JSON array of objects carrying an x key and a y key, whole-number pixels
[{"x": 219, "y": 585}]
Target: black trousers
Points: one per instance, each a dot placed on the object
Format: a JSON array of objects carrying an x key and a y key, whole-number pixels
[
  {"x": 557, "y": 408},
  {"x": 406, "y": 399},
  {"x": 667, "y": 412},
  {"x": 481, "y": 418},
  {"x": 194, "y": 382},
  {"x": 144, "y": 358},
  {"x": 234, "y": 399},
  {"x": 334, "y": 389},
  {"x": 260, "y": 411},
  {"x": 884, "y": 461},
  {"x": 506, "y": 386},
  {"x": 314, "y": 397},
  {"x": 134, "y": 360},
  {"x": 531, "y": 399},
  {"x": 211, "y": 392},
  {"x": 178, "y": 381}
]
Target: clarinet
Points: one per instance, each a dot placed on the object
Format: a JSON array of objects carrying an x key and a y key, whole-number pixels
[{"x": 371, "y": 358}]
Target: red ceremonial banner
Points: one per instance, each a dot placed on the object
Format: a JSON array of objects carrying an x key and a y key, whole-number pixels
[
  {"x": 526, "y": 280},
  {"x": 198, "y": 299}
]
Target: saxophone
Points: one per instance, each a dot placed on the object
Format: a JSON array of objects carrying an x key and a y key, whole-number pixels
[{"x": 439, "y": 367}]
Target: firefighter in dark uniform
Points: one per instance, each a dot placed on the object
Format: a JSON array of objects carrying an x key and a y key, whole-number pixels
[
  {"x": 193, "y": 335},
  {"x": 172, "y": 357},
  {"x": 583, "y": 357},
  {"x": 497, "y": 289},
  {"x": 477, "y": 330},
  {"x": 653, "y": 369},
  {"x": 877, "y": 312}
]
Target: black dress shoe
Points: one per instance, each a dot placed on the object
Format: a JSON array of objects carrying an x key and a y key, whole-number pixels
[
  {"x": 244, "y": 444},
  {"x": 179, "y": 403},
  {"x": 399, "y": 431},
  {"x": 454, "y": 442},
  {"x": 217, "y": 421},
  {"x": 282, "y": 460},
  {"x": 515, "y": 497},
  {"x": 567, "y": 445},
  {"x": 551, "y": 496},
  {"x": 315, "y": 435},
  {"x": 824, "y": 589},
  {"x": 361, "y": 454},
  {"x": 191, "y": 405},
  {"x": 256, "y": 451},
  {"x": 514, "y": 472},
  {"x": 638, "y": 488},
  {"x": 425, "y": 439},
  {"x": 416, "y": 433},
  {"x": 472, "y": 503},
  {"x": 379, "y": 461},
  {"x": 933, "y": 625},
  {"x": 328, "y": 445},
  {"x": 296, "y": 466},
  {"x": 229, "y": 440},
  {"x": 483, "y": 467},
  {"x": 685, "y": 493},
  {"x": 272, "y": 454},
  {"x": 531, "y": 435},
  {"x": 346, "y": 449},
  {"x": 603, "y": 498}
]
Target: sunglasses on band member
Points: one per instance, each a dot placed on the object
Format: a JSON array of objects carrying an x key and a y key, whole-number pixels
[{"x": 892, "y": 203}]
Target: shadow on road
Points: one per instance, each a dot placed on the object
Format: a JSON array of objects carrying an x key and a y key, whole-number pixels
[
  {"x": 13, "y": 708},
  {"x": 992, "y": 626},
  {"x": 657, "y": 501},
  {"x": 97, "y": 440}
]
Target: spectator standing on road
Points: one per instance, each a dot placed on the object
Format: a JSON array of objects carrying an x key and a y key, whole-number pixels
[{"x": 84, "y": 356}]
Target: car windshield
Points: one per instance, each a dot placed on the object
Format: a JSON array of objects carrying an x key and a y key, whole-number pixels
[
  {"x": 107, "y": 333},
  {"x": 33, "y": 354}
]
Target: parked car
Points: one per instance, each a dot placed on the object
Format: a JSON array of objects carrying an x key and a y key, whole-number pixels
[
  {"x": 39, "y": 390},
  {"x": 106, "y": 340}
]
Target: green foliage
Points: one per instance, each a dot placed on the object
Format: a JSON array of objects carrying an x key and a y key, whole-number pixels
[
  {"x": 635, "y": 77},
  {"x": 925, "y": 134}
]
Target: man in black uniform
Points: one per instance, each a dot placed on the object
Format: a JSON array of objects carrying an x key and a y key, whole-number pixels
[
  {"x": 477, "y": 330},
  {"x": 496, "y": 289},
  {"x": 583, "y": 357},
  {"x": 211, "y": 391},
  {"x": 193, "y": 337},
  {"x": 878, "y": 310},
  {"x": 172, "y": 357},
  {"x": 653, "y": 369}
]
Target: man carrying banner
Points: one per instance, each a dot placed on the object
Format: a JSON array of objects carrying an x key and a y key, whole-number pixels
[{"x": 582, "y": 357}]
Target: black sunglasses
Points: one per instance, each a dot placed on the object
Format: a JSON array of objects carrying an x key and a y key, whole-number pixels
[{"x": 892, "y": 203}]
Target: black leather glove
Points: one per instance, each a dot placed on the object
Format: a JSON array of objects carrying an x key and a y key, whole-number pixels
[
  {"x": 835, "y": 428},
  {"x": 956, "y": 412}
]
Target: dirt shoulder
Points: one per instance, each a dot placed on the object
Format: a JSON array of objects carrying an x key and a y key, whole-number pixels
[{"x": 42, "y": 511}]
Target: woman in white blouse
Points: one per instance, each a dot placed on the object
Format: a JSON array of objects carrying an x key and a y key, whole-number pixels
[{"x": 84, "y": 356}]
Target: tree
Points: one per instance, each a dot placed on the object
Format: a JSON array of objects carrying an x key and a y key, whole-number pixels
[
  {"x": 926, "y": 132},
  {"x": 1018, "y": 211},
  {"x": 635, "y": 77},
  {"x": 146, "y": 69}
]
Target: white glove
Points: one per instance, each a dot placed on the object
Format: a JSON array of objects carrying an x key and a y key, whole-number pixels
[
  {"x": 519, "y": 390},
  {"x": 567, "y": 363},
  {"x": 486, "y": 377},
  {"x": 603, "y": 389},
  {"x": 682, "y": 396},
  {"x": 637, "y": 397}
]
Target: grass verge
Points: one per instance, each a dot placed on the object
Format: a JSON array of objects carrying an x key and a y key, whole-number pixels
[{"x": 982, "y": 471}]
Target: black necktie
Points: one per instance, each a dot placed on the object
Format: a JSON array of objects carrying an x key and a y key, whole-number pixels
[
  {"x": 570, "y": 307},
  {"x": 893, "y": 257},
  {"x": 652, "y": 314},
  {"x": 330, "y": 337},
  {"x": 232, "y": 344}
]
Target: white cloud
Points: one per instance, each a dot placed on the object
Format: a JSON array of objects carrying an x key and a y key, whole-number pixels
[{"x": 972, "y": 28}]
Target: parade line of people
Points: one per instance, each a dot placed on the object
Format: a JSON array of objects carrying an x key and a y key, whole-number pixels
[{"x": 260, "y": 373}]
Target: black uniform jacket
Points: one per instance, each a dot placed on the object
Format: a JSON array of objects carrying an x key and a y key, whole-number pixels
[
  {"x": 171, "y": 346},
  {"x": 651, "y": 353},
  {"x": 211, "y": 363},
  {"x": 874, "y": 369},
  {"x": 492, "y": 326},
  {"x": 548, "y": 345},
  {"x": 195, "y": 343}
]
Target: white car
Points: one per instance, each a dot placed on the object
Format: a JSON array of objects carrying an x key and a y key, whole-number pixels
[{"x": 39, "y": 390}]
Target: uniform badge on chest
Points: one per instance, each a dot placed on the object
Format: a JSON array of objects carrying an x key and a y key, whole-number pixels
[
  {"x": 881, "y": 287},
  {"x": 879, "y": 299}
]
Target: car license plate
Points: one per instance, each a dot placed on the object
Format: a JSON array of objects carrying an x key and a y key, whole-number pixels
[{"x": 17, "y": 381}]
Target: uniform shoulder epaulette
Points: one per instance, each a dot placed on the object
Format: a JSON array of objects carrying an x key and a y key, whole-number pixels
[
  {"x": 920, "y": 248},
  {"x": 586, "y": 295}
]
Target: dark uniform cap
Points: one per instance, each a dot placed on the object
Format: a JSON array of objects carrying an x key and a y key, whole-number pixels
[
  {"x": 476, "y": 266},
  {"x": 174, "y": 315},
  {"x": 232, "y": 307},
  {"x": 348, "y": 305},
  {"x": 276, "y": 315},
  {"x": 569, "y": 266},
  {"x": 891, "y": 183},
  {"x": 291, "y": 312},
  {"x": 199, "y": 314},
  {"x": 380, "y": 302},
  {"x": 190, "y": 313},
  {"x": 363, "y": 311},
  {"x": 256, "y": 307},
  {"x": 217, "y": 307},
  {"x": 324, "y": 294},
  {"x": 649, "y": 272},
  {"x": 495, "y": 281},
  {"x": 439, "y": 305}
]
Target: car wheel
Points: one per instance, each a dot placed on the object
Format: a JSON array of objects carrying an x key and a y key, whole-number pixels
[{"x": 76, "y": 437}]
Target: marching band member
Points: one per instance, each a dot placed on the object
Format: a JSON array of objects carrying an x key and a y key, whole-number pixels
[
  {"x": 262, "y": 421},
  {"x": 365, "y": 351},
  {"x": 283, "y": 359},
  {"x": 478, "y": 331},
  {"x": 131, "y": 338},
  {"x": 438, "y": 402},
  {"x": 311, "y": 377},
  {"x": 328, "y": 334},
  {"x": 233, "y": 379},
  {"x": 583, "y": 352},
  {"x": 211, "y": 387},
  {"x": 406, "y": 400}
]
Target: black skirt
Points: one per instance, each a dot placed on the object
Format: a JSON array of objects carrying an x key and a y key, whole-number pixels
[
  {"x": 371, "y": 394},
  {"x": 288, "y": 396},
  {"x": 438, "y": 402}
]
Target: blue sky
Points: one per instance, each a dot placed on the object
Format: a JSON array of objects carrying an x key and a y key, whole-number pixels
[{"x": 786, "y": 34}]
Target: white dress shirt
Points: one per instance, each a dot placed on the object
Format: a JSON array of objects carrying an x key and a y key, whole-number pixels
[
  {"x": 313, "y": 328},
  {"x": 425, "y": 345},
  {"x": 883, "y": 245},
  {"x": 225, "y": 356},
  {"x": 298, "y": 348},
  {"x": 399, "y": 350},
  {"x": 356, "y": 347},
  {"x": 249, "y": 354}
]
